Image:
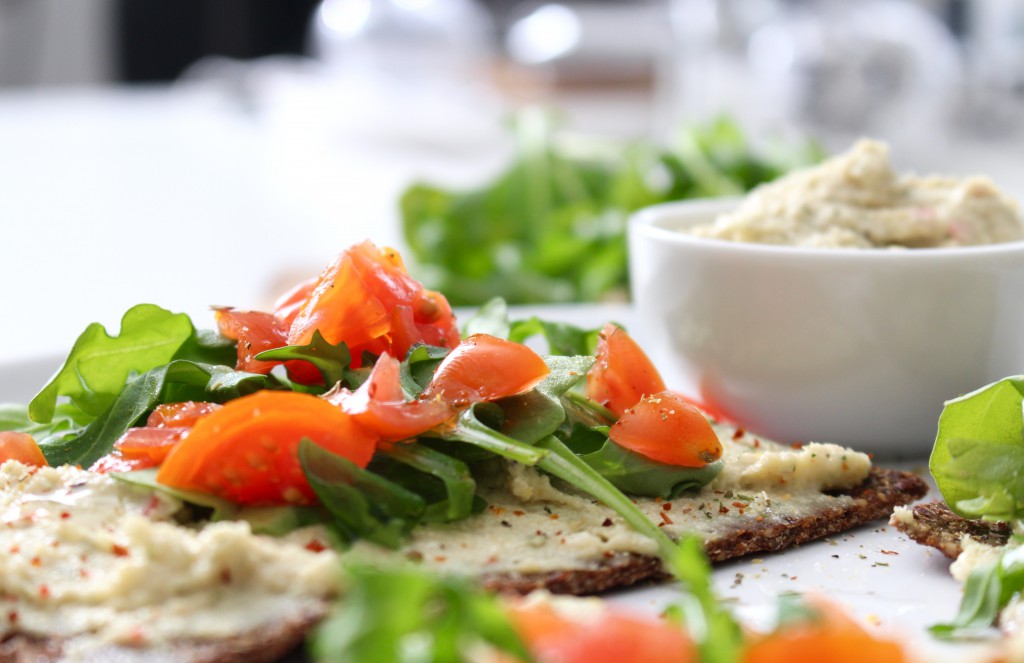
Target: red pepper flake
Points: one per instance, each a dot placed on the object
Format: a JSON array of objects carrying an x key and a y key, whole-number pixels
[
  {"x": 667, "y": 506},
  {"x": 739, "y": 433},
  {"x": 12, "y": 617},
  {"x": 723, "y": 509},
  {"x": 44, "y": 592},
  {"x": 608, "y": 553},
  {"x": 517, "y": 513},
  {"x": 797, "y": 445},
  {"x": 315, "y": 546},
  {"x": 440, "y": 558},
  {"x": 225, "y": 576},
  {"x": 607, "y": 522},
  {"x": 553, "y": 516},
  {"x": 35, "y": 561},
  {"x": 757, "y": 443},
  {"x": 119, "y": 550},
  {"x": 759, "y": 518},
  {"x": 497, "y": 510},
  {"x": 665, "y": 518},
  {"x": 64, "y": 515},
  {"x": 151, "y": 506},
  {"x": 15, "y": 549},
  {"x": 83, "y": 573}
]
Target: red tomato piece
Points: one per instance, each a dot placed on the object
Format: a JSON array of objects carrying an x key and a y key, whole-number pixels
[
  {"x": 287, "y": 307},
  {"x": 247, "y": 451},
  {"x": 354, "y": 301},
  {"x": 611, "y": 637},
  {"x": 152, "y": 444},
  {"x": 667, "y": 429},
  {"x": 623, "y": 373},
  {"x": 21, "y": 447},
  {"x": 485, "y": 368},
  {"x": 179, "y": 415},
  {"x": 255, "y": 332},
  {"x": 379, "y": 405},
  {"x": 833, "y": 637}
]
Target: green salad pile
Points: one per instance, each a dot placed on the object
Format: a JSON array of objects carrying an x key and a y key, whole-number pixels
[{"x": 551, "y": 228}]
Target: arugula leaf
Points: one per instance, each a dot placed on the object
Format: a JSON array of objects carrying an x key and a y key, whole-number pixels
[
  {"x": 491, "y": 318},
  {"x": 99, "y": 364},
  {"x": 471, "y": 430},
  {"x": 180, "y": 380},
  {"x": 458, "y": 482},
  {"x": 634, "y": 473},
  {"x": 14, "y": 417},
  {"x": 364, "y": 504},
  {"x": 405, "y": 615},
  {"x": 987, "y": 591},
  {"x": 717, "y": 634},
  {"x": 539, "y": 412},
  {"x": 206, "y": 346},
  {"x": 562, "y": 338},
  {"x": 331, "y": 360},
  {"x": 978, "y": 457},
  {"x": 419, "y": 366}
]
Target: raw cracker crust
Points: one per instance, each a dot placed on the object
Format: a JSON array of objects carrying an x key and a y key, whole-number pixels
[
  {"x": 873, "y": 499},
  {"x": 282, "y": 643},
  {"x": 936, "y": 526}
]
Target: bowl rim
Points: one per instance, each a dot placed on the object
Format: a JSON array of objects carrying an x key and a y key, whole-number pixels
[{"x": 648, "y": 222}]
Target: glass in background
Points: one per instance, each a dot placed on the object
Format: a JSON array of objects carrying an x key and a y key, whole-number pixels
[{"x": 835, "y": 69}]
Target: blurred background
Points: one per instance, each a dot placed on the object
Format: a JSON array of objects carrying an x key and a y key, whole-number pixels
[{"x": 201, "y": 152}]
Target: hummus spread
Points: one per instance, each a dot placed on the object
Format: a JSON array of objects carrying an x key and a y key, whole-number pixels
[
  {"x": 857, "y": 200},
  {"x": 533, "y": 524},
  {"x": 97, "y": 562}
]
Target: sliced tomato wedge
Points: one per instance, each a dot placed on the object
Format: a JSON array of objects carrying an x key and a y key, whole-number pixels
[
  {"x": 288, "y": 305},
  {"x": 247, "y": 451},
  {"x": 610, "y": 637},
  {"x": 379, "y": 405},
  {"x": 21, "y": 447},
  {"x": 180, "y": 415},
  {"x": 485, "y": 368},
  {"x": 665, "y": 428},
  {"x": 623, "y": 373},
  {"x": 150, "y": 444},
  {"x": 355, "y": 300},
  {"x": 255, "y": 332},
  {"x": 833, "y": 637}
]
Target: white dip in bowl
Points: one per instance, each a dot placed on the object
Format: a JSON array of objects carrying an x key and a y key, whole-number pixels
[{"x": 823, "y": 337}]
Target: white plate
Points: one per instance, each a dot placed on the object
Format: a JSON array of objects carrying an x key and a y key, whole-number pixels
[{"x": 893, "y": 585}]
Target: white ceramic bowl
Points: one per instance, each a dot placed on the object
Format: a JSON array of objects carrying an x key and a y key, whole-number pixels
[{"x": 860, "y": 347}]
